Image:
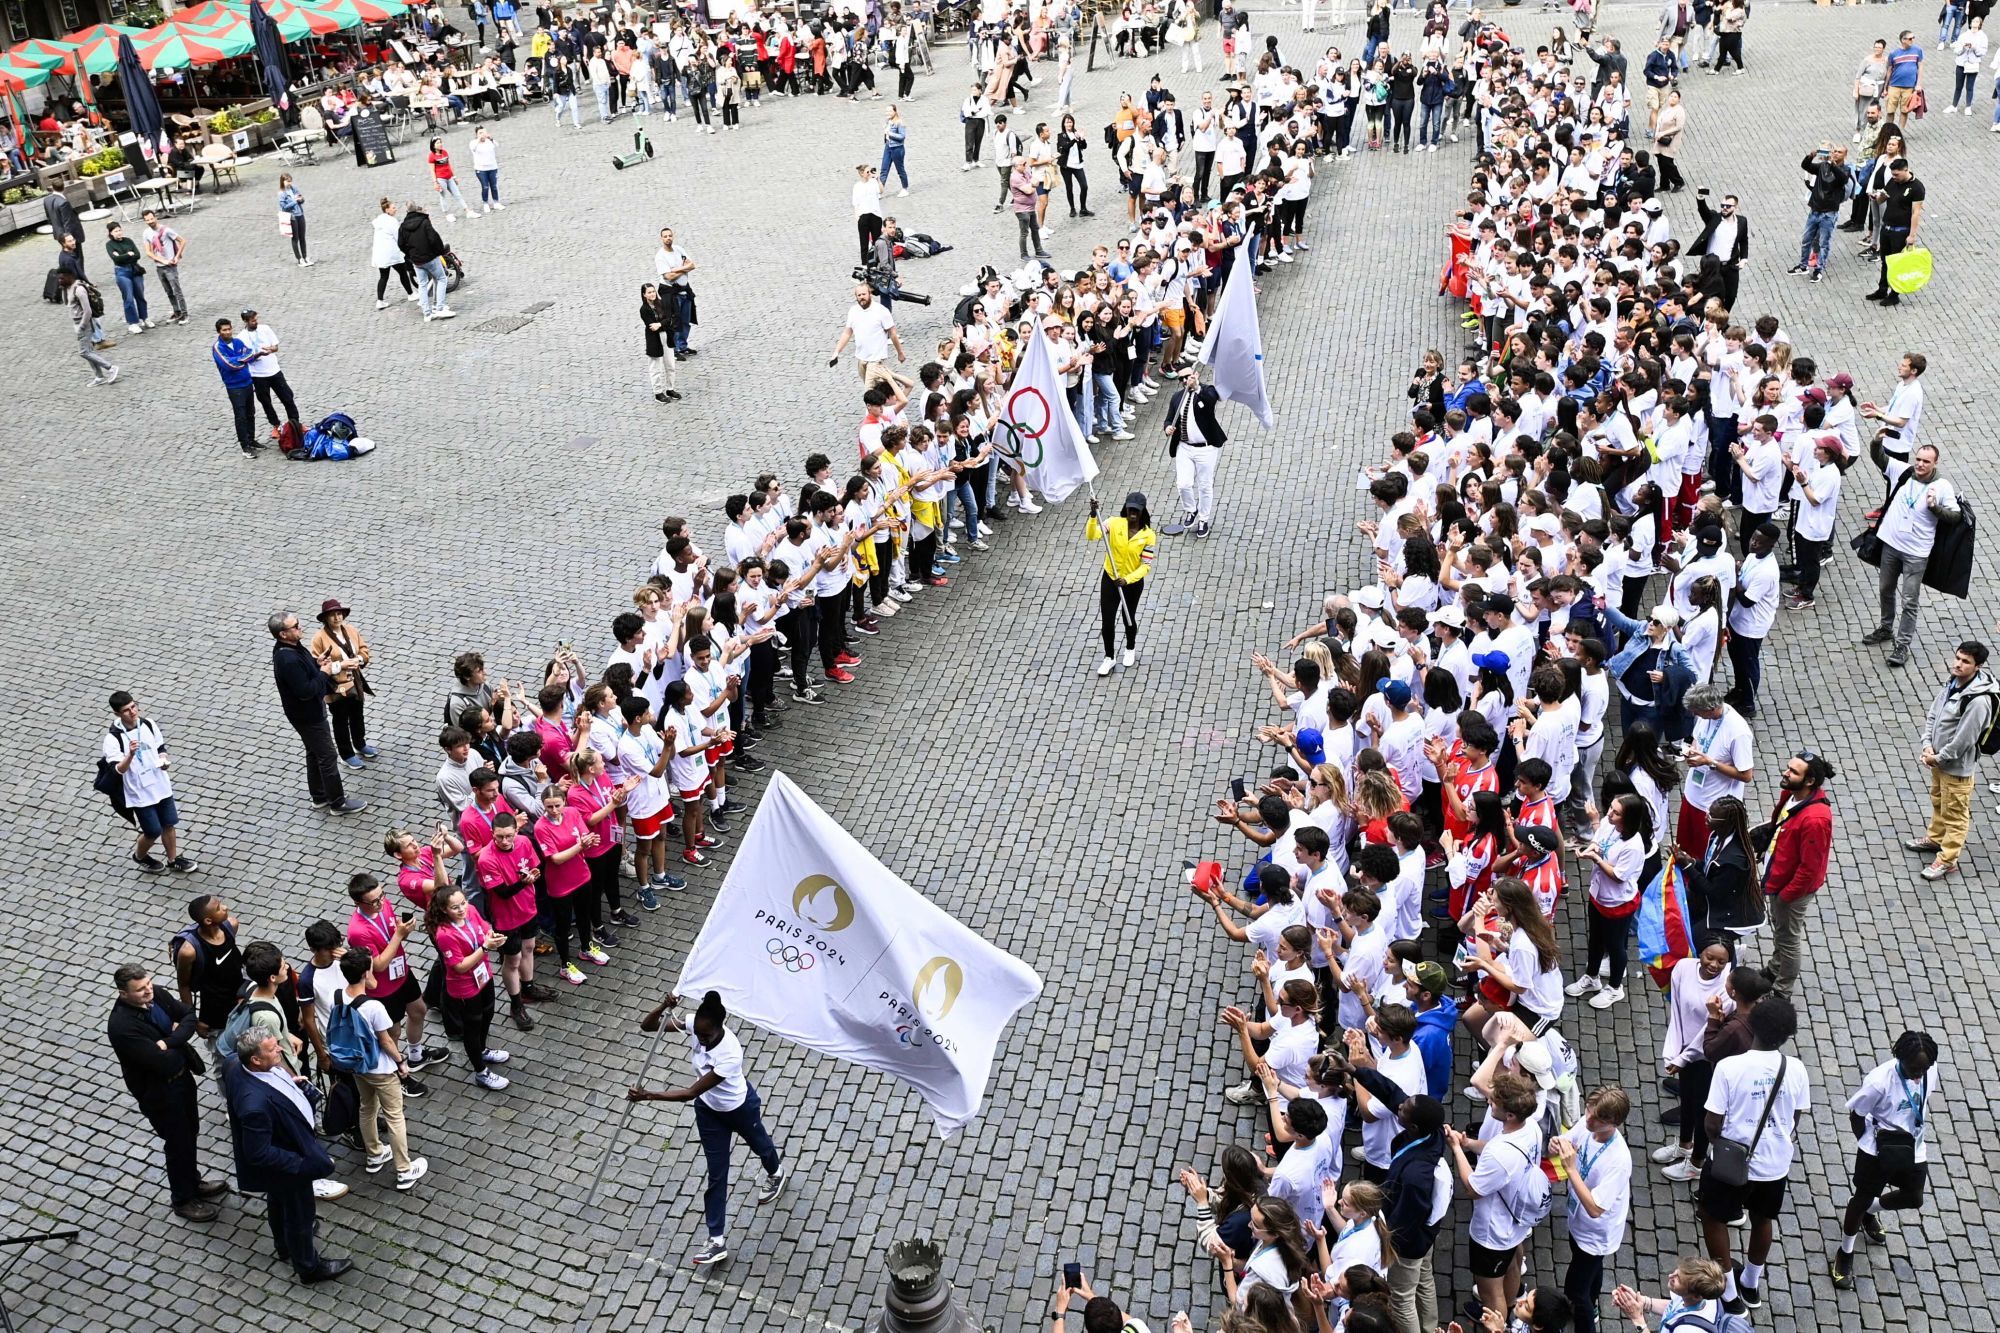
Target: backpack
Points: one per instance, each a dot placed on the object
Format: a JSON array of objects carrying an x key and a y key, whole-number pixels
[
  {"x": 110, "y": 783},
  {"x": 1528, "y": 1200},
  {"x": 291, "y": 438},
  {"x": 1989, "y": 739},
  {"x": 1727, "y": 1323},
  {"x": 96, "y": 300},
  {"x": 351, "y": 1045},
  {"x": 240, "y": 1019},
  {"x": 339, "y": 425},
  {"x": 319, "y": 446}
]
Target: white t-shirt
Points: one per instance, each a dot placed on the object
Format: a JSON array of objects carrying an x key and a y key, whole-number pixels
[
  {"x": 1264, "y": 930},
  {"x": 1757, "y": 580},
  {"x": 327, "y": 983},
  {"x": 1297, "y": 1179},
  {"x": 1544, "y": 986},
  {"x": 1741, "y": 1085},
  {"x": 1292, "y": 1044},
  {"x": 260, "y": 338},
  {"x": 1607, "y": 1169},
  {"x": 1356, "y": 1243},
  {"x": 1500, "y": 1179},
  {"x": 1365, "y": 959},
  {"x": 146, "y": 781},
  {"x": 725, "y": 1061},
  {"x": 870, "y": 326},
  {"x": 1727, "y": 739},
  {"x": 1402, "y": 748},
  {"x": 1815, "y": 520},
  {"x": 1887, "y": 1099},
  {"x": 1406, "y": 1071}
]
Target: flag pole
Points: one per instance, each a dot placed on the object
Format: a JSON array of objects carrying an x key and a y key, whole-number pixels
[{"x": 625, "y": 1116}]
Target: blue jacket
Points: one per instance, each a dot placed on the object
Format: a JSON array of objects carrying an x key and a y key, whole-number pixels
[
  {"x": 1433, "y": 1039},
  {"x": 232, "y": 361},
  {"x": 274, "y": 1144},
  {"x": 1674, "y": 663}
]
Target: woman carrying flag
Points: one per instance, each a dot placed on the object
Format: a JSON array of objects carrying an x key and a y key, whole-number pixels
[{"x": 1129, "y": 547}]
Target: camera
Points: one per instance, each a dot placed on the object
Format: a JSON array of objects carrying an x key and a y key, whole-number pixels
[{"x": 879, "y": 284}]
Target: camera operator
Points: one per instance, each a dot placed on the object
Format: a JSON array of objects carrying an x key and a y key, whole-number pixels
[
  {"x": 881, "y": 268},
  {"x": 871, "y": 327}
]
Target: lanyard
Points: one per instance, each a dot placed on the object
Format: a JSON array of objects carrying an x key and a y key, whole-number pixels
[
  {"x": 1914, "y": 1097},
  {"x": 1583, "y": 1163},
  {"x": 1397, "y": 1156},
  {"x": 464, "y": 932},
  {"x": 1361, "y": 1224},
  {"x": 387, "y": 932}
]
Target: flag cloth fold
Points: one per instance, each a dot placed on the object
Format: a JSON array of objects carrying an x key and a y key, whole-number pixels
[
  {"x": 1037, "y": 428},
  {"x": 813, "y": 939},
  {"x": 1664, "y": 933},
  {"x": 1234, "y": 348}
]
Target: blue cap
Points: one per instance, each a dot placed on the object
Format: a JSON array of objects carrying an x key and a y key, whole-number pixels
[
  {"x": 1312, "y": 745},
  {"x": 1493, "y": 661},
  {"x": 1397, "y": 692}
]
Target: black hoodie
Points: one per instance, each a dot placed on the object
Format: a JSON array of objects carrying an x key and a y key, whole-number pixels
[{"x": 1412, "y": 1183}]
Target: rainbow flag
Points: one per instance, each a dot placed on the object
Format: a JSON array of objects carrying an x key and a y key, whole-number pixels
[{"x": 1665, "y": 934}]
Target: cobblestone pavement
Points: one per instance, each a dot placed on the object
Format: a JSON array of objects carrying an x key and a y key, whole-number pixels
[{"x": 514, "y": 500}]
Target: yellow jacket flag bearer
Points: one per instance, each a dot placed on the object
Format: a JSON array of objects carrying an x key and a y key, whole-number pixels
[{"x": 1129, "y": 547}]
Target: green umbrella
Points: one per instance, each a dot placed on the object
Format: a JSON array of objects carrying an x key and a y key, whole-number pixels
[
  {"x": 97, "y": 45},
  {"x": 169, "y": 47}
]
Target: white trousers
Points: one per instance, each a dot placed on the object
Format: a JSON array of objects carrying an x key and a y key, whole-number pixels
[{"x": 1194, "y": 473}]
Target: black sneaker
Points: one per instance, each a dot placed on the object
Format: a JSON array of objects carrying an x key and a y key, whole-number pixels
[
  {"x": 1753, "y": 1297},
  {"x": 181, "y": 865},
  {"x": 414, "y": 1090},
  {"x": 1736, "y": 1306},
  {"x": 1843, "y": 1270},
  {"x": 151, "y": 865},
  {"x": 1797, "y": 268},
  {"x": 624, "y": 918},
  {"x": 745, "y": 764},
  {"x": 434, "y": 1053},
  {"x": 606, "y": 937},
  {"x": 1871, "y": 1227}
]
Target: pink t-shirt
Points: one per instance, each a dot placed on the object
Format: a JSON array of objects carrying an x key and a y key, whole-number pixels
[
  {"x": 475, "y": 826},
  {"x": 516, "y": 866},
  {"x": 559, "y": 835},
  {"x": 454, "y": 944},
  {"x": 372, "y": 933},
  {"x": 418, "y": 880},
  {"x": 585, "y": 800},
  {"x": 556, "y": 746}
]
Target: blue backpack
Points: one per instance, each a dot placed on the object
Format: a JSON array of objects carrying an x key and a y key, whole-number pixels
[{"x": 350, "y": 1043}]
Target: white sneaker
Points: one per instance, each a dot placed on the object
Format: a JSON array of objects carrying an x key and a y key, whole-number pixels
[
  {"x": 493, "y": 1057},
  {"x": 1122, "y": 435},
  {"x": 444, "y": 312},
  {"x": 1092, "y": 439},
  {"x": 1245, "y": 1092},
  {"x": 307, "y": 263},
  {"x": 1681, "y": 1170},
  {"x": 908, "y": 592},
  {"x": 471, "y": 213},
  {"x": 888, "y": 608},
  {"x": 1131, "y": 656},
  {"x": 379, "y": 1159},
  {"x": 1669, "y": 1153},
  {"x": 1104, "y": 667},
  {"x": 497, "y": 206},
  {"x": 329, "y": 1189},
  {"x": 489, "y": 1080},
  {"x": 902, "y": 194},
  {"x": 135, "y": 328},
  {"x": 414, "y": 296},
  {"x": 1030, "y": 507},
  {"x": 1604, "y": 999},
  {"x": 1473, "y": 1094},
  {"x": 1585, "y": 985},
  {"x": 981, "y": 546},
  {"x": 449, "y": 218},
  {"x": 419, "y": 1168},
  {"x": 381, "y": 305}
]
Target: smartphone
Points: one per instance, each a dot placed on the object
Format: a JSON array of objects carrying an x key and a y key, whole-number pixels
[
  {"x": 1236, "y": 788},
  {"x": 1072, "y": 1276}
]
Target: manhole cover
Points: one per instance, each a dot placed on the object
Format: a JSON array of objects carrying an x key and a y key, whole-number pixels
[
  {"x": 538, "y": 307},
  {"x": 581, "y": 442},
  {"x": 502, "y": 324}
]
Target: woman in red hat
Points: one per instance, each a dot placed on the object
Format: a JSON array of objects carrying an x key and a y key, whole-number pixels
[{"x": 343, "y": 654}]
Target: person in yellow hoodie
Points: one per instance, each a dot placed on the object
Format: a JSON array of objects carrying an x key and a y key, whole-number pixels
[{"x": 1129, "y": 547}]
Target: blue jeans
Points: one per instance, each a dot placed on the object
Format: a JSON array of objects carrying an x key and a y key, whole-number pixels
[
  {"x": 967, "y": 497},
  {"x": 717, "y": 1127},
  {"x": 1430, "y": 129},
  {"x": 892, "y": 156},
  {"x": 1368, "y": 51},
  {"x": 566, "y": 101},
  {"x": 132, "y": 286},
  {"x": 603, "y": 91},
  {"x": 489, "y": 185},
  {"x": 431, "y": 286},
  {"x": 1952, "y": 26},
  {"x": 1818, "y": 239},
  {"x": 683, "y": 312},
  {"x": 1110, "y": 412}
]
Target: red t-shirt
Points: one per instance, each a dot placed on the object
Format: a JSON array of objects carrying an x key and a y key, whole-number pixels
[
  {"x": 372, "y": 934},
  {"x": 440, "y": 164},
  {"x": 559, "y": 835},
  {"x": 512, "y": 869},
  {"x": 454, "y": 943},
  {"x": 1468, "y": 783}
]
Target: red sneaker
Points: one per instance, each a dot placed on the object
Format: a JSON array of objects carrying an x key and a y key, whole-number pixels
[
  {"x": 840, "y": 677},
  {"x": 937, "y": 581},
  {"x": 847, "y": 660},
  {"x": 693, "y": 857}
]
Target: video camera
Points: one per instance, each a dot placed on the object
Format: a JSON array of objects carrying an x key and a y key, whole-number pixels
[{"x": 882, "y": 284}]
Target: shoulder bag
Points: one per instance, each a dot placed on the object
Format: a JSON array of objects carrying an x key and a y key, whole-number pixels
[{"x": 1729, "y": 1159}]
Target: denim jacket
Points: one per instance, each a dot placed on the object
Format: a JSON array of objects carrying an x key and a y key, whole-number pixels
[{"x": 1674, "y": 663}]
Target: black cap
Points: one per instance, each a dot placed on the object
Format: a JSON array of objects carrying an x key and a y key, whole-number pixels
[
  {"x": 246, "y": 314},
  {"x": 1136, "y": 500}
]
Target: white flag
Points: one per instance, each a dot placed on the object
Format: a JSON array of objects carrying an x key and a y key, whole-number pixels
[
  {"x": 1037, "y": 426},
  {"x": 814, "y": 939},
  {"x": 1235, "y": 346}
]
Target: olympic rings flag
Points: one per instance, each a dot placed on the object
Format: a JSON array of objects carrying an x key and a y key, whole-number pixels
[
  {"x": 1037, "y": 429},
  {"x": 815, "y": 940}
]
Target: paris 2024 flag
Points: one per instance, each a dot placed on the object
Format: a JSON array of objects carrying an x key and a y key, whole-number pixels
[
  {"x": 1037, "y": 427},
  {"x": 814, "y": 939},
  {"x": 1234, "y": 348}
]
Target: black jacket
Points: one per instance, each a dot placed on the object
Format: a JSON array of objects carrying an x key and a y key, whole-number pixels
[
  {"x": 1412, "y": 1183},
  {"x": 275, "y": 1145},
  {"x": 418, "y": 239},
  {"x": 135, "y": 1038},
  {"x": 1710, "y": 219},
  {"x": 1722, "y": 896},
  {"x": 1826, "y": 184},
  {"x": 302, "y": 686},
  {"x": 661, "y": 313},
  {"x": 1204, "y": 417}
]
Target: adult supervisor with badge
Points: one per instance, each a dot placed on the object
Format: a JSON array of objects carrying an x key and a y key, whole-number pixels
[
  {"x": 1194, "y": 442},
  {"x": 724, "y": 1105}
]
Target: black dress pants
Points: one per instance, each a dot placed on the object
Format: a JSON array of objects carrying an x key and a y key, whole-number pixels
[
  {"x": 176, "y": 1119},
  {"x": 290, "y": 1209},
  {"x": 322, "y": 759}
]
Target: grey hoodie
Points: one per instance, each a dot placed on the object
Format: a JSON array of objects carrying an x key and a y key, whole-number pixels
[{"x": 1957, "y": 719}]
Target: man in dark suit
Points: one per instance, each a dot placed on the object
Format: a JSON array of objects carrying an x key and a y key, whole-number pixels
[
  {"x": 276, "y": 1153},
  {"x": 1725, "y": 234},
  {"x": 1194, "y": 442},
  {"x": 303, "y": 689},
  {"x": 150, "y": 1032}
]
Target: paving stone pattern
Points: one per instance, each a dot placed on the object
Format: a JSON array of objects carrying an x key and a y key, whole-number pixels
[{"x": 514, "y": 502}]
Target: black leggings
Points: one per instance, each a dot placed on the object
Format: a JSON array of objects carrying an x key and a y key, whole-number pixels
[
  {"x": 1610, "y": 938},
  {"x": 700, "y": 107},
  {"x": 578, "y": 908},
  {"x": 799, "y": 626},
  {"x": 1695, "y": 1081},
  {"x": 975, "y": 135},
  {"x": 475, "y": 1021},
  {"x": 298, "y": 235},
  {"x": 403, "y": 273},
  {"x": 1399, "y": 121},
  {"x": 1076, "y": 188},
  {"x": 604, "y": 876},
  {"x": 923, "y": 557},
  {"x": 349, "y": 733},
  {"x": 868, "y": 227},
  {"x": 1108, "y": 590}
]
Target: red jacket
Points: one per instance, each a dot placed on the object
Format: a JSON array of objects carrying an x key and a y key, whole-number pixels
[{"x": 1801, "y": 847}]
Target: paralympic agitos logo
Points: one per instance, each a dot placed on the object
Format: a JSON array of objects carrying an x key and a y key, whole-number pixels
[
  {"x": 821, "y": 908},
  {"x": 932, "y": 997}
]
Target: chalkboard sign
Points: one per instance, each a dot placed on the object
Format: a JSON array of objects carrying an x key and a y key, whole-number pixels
[{"x": 371, "y": 140}]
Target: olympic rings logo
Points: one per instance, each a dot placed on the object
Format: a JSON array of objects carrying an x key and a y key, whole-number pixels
[
  {"x": 790, "y": 957},
  {"x": 1015, "y": 434}
]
